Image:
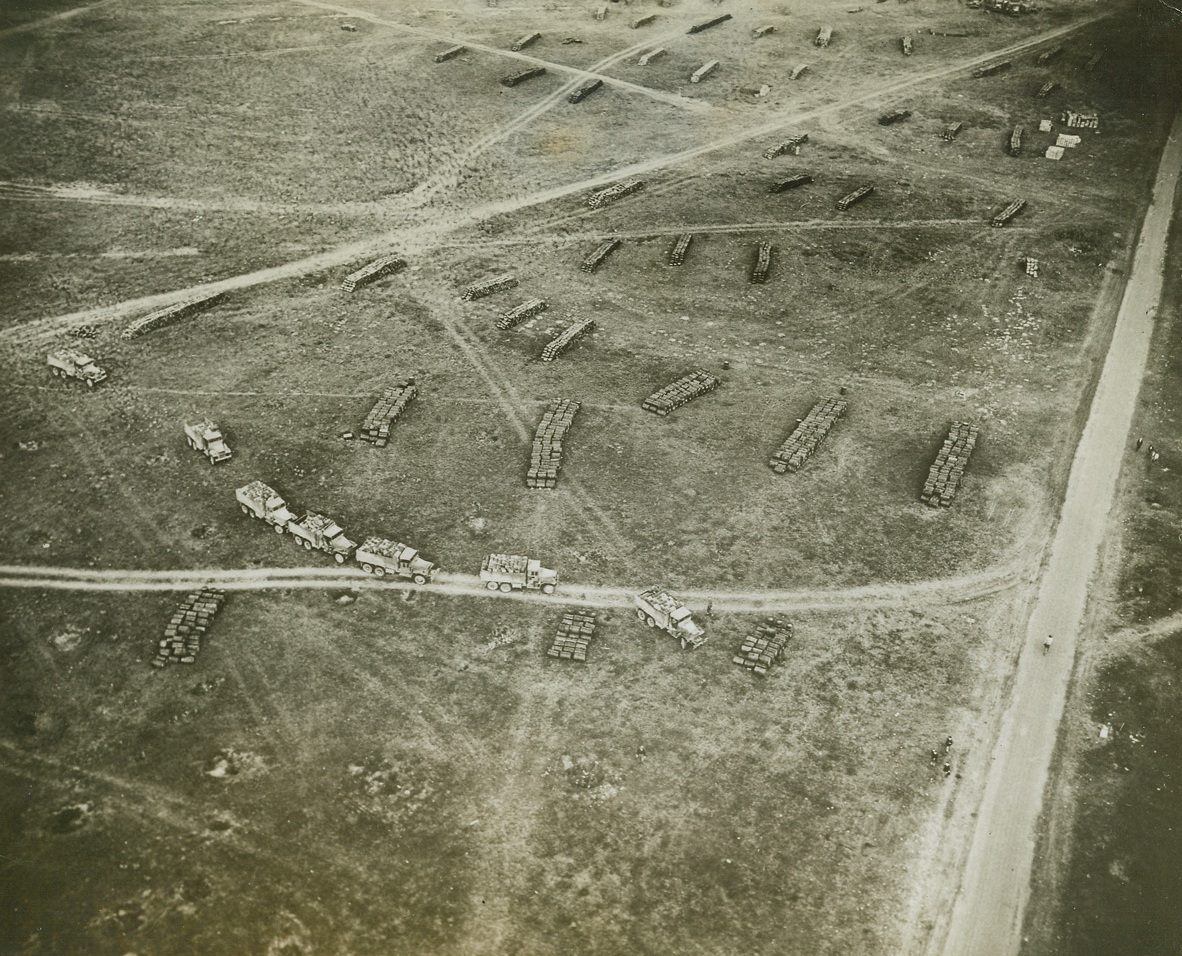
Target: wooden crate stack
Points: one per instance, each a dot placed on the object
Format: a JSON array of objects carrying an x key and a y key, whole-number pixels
[
  {"x": 1010, "y": 211},
  {"x": 612, "y": 193},
  {"x": 685, "y": 389},
  {"x": 798, "y": 71},
  {"x": 799, "y": 447},
  {"x": 1014, "y": 145},
  {"x": 791, "y": 145},
  {"x": 522, "y": 42},
  {"x": 545, "y": 456},
  {"x": 792, "y": 182},
  {"x": 703, "y": 71},
  {"x": 513, "y": 79},
  {"x": 680, "y": 248},
  {"x": 1074, "y": 120},
  {"x": 894, "y": 116},
  {"x": 596, "y": 259},
  {"x": 193, "y": 617},
  {"x": 173, "y": 313},
  {"x": 1030, "y": 264},
  {"x": 948, "y": 468},
  {"x": 992, "y": 69},
  {"x": 763, "y": 263},
  {"x": 395, "y": 398},
  {"x": 824, "y": 35},
  {"x": 765, "y": 645},
  {"x": 908, "y": 46},
  {"x": 762, "y": 31},
  {"x": 452, "y": 51},
  {"x": 951, "y": 131},
  {"x": 518, "y": 314},
  {"x": 856, "y": 196},
  {"x": 489, "y": 287},
  {"x": 643, "y": 21},
  {"x": 570, "y": 335},
  {"x": 1046, "y": 89},
  {"x": 84, "y": 332},
  {"x": 647, "y": 58},
  {"x": 1045, "y": 58},
  {"x": 372, "y": 272},
  {"x": 574, "y": 636},
  {"x": 584, "y": 91},
  {"x": 707, "y": 24}
]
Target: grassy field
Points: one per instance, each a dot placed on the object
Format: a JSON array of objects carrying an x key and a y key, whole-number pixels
[{"x": 409, "y": 772}]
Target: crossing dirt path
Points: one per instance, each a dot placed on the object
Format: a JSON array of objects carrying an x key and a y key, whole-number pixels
[{"x": 986, "y": 917}]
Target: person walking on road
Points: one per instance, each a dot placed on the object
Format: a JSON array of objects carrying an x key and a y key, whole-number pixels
[{"x": 1046, "y": 645}]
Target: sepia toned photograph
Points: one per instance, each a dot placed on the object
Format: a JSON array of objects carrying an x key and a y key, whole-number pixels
[{"x": 590, "y": 478}]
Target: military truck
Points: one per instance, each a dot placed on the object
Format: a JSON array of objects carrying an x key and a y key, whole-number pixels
[
  {"x": 70, "y": 363},
  {"x": 512, "y": 572},
  {"x": 318, "y": 531},
  {"x": 380, "y": 555},
  {"x": 262, "y": 501},
  {"x": 656, "y": 607},
  {"x": 207, "y": 438}
]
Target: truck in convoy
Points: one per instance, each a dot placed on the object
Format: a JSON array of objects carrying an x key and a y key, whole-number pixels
[
  {"x": 512, "y": 572},
  {"x": 262, "y": 501},
  {"x": 381, "y": 555},
  {"x": 70, "y": 363},
  {"x": 322, "y": 533},
  {"x": 207, "y": 438},
  {"x": 656, "y": 607}
]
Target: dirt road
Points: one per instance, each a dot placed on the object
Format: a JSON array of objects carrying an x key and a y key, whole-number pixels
[{"x": 986, "y": 918}]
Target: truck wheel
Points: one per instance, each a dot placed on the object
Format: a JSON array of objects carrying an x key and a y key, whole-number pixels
[
  {"x": 90, "y": 383},
  {"x": 492, "y": 585},
  {"x": 683, "y": 643},
  {"x": 547, "y": 588},
  {"x": 639, "y": 615},
  {"x": 651, "y": 622},
  {"x": 246, "y": 511},
  {"x": 419, "y": 579},
  {"x": 307, "y": 545},
  {"x": 379, "y": 571},
  {"x": 279, "y": 529},
  {"x": 340, "y": 558},
  {"x": 367, "y": 568},
  {"x": 506, "y": 587}
]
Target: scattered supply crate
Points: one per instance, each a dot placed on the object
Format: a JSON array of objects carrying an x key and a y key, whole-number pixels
[
  {"x": 170, "y": 314},
  {"x": 1046, "y": 90},
  {"x": 1054, "y": 152},
  {"x": 647, "y": 58},
  {"x": 1010, "y": 211},
  {"x": 824, "y": 36},
  {"x": 520, "y": 313},
  {"x": 570, "y": 335},
  {"x": 545, "y": 455},
  {"x": 764, "y": 646},
  {"x": 600, "y": 13},
  {"x": 386, "y": 411},
  {"x": 762, "y": 266},
  {"x": 799, "y": 447},
  {"x": 1074, "y": 120},
  {"x": 577, "y": 96},
  {"x": 894, "y": 116},
  {"x": 575, "y": 631},
  {"x": 763, "y": 31},
  {"x": 703, "y": 71},
  {"x": 798, "y": 71},
  {"x": 947, "y": 470},
  {"x": 522, "y": 42},
  {"x": 951, "y": 131},
  {"x": 1030, "y": 264},
  {"x": 385, "y": 266},
  {"x": 707, "y": 24},
  {"x": 791, "y": 145},
  {"x": 605, "y": 196},
  {"x": 856, "y": 196},
  {"x": 182, "y": 635},
  {"x": 450, "y": 53},
  {"x": 908, "y": 45},
  {"x": 685, "y": 389},
  {"x": 1014, "y": 145},
  {"x": 513, "y": 79},
  {"x": 596, "y": 259},
  {"x": 678, "y": 252},
  {"x": 1067, "y": 140},
  {"x": 792, "y": 182},
  {"x": 992, "y": 69},
  {"x": 489, "y": 287},
  {"x": 84, "y": 332}
]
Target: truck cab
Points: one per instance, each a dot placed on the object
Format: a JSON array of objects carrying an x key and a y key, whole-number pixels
[
  {"x": 258, "y": 500},
  {"x": 207, "y": 438},
  {"x": 320, "y": 532}
]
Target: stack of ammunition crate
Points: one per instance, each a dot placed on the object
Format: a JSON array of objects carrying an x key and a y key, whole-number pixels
[
  {"x": 798, "y": 71},
  {"x": 643, "y": 21},
  {"x": 376, "y": 427},
  {"x": 570, "y": 335},
  {"x": 84, "y": 332},
  {"x": 792, "y": 182},
  {"x": 992, "y": 69},
  {"x": 489, "y": 287},
  {"x": 680, "y": 248},
  {"x": 1031, "y": 266},
  {"x": 1073, "y": 120},
  {"x": 1014, "y": 146},
  {"x": 449, "y": 53},
  {"x": 513, "y": 79},
  {"x": 1046, "y": 89},
  {"x": 948, "y": 468},
  {"x": 612, "y": 193},
  {"x": 372, "y": 272},
  {"x": 703, "y": 71},
  {"x": 762, "y": 31},
  {"x": 525, "y": 41},
  {"x": 584, "y": 91},
  {"x": 646, "y": 58},
  {"x": 193, "y": 617},
  {"x": 856, "y": 196},
  {"x": 573, "y": 637},
  {"x": 894, "y": 116},
  {"x": 518, "y": 314},
  {"x": 798, "y": 448},
  {"x": 545, "y": 456},
  {"x": 1009, "y": 212},
  {"x": 707, "y": 24},
  {"x": 1094, "y": 61},
  {"x": 763, "y": 263},
  {"x": 162, "y": 317},
  {"x": 951, "y": 131},
  {"x": 908, "y": 46},
  {"x": 686, "y": 388},
  {"x": 595, "y": 260},
  {"x": 1045, "y": 58},
  {"x": 824, "y": 35},
  {"x": 788, "y": 146},
  {"x": 763, "y": 648}
]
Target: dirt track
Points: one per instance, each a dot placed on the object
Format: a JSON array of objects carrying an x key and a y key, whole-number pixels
[{"x": 986, "y": 918}]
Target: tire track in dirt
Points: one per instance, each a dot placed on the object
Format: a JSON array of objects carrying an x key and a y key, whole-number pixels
[{"x": 54, "y": 18}]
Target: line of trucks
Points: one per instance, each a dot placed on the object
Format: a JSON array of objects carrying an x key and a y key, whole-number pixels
[{"x": 655, "y": 606}]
